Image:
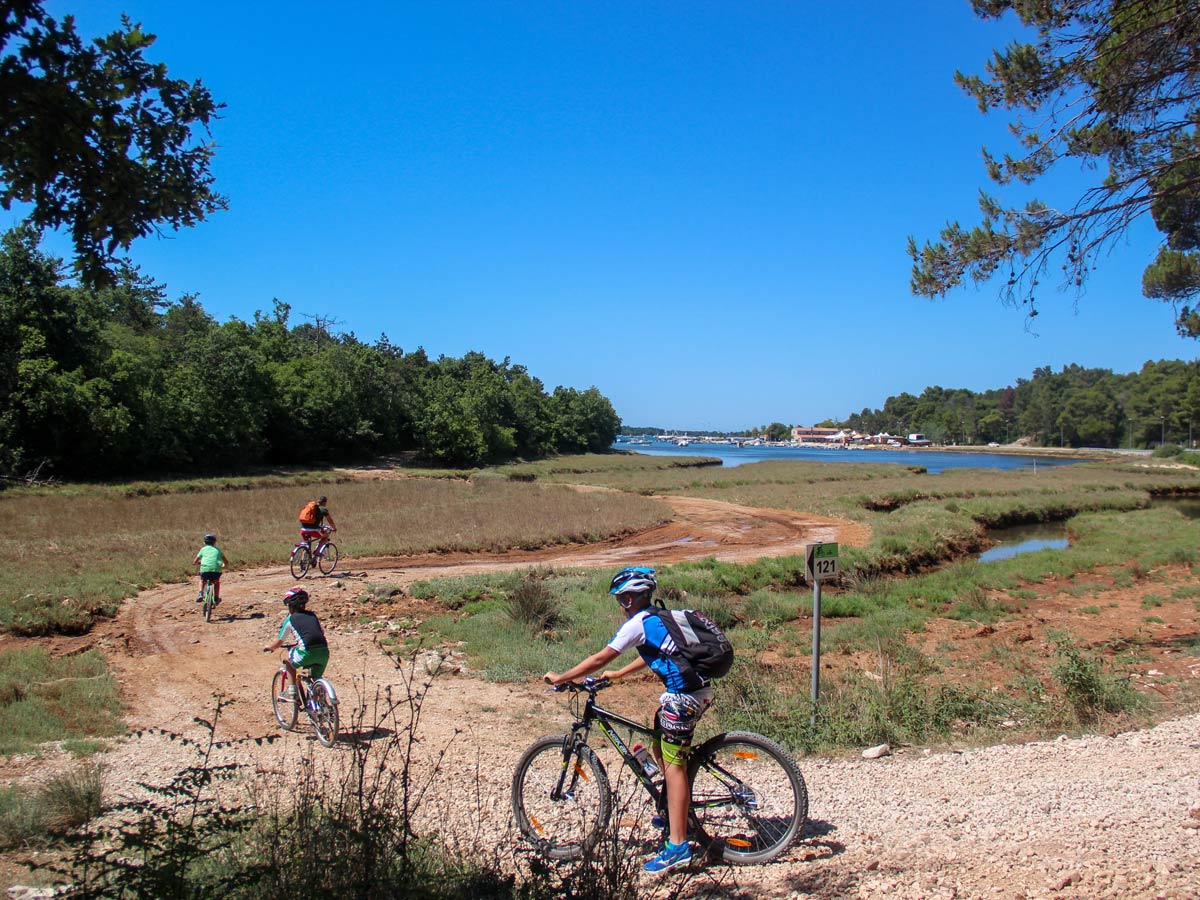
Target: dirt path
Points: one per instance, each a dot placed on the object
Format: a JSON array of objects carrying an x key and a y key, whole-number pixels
[
  {"x": 1100, "y": 817},
  {"x": 169, "y": 660}
]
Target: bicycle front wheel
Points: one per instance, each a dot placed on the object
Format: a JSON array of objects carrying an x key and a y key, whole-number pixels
[
  {"x": 323, "y": 713},
  {"x": 301, "y": 560},
  {"x": 561, "y": 804},
  {"x": 748, "y": 796},
  {"x": 285, "y": 708},
  {"x": 327, "y": 558}
]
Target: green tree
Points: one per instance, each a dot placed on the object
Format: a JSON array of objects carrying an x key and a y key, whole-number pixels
[
  {"x": 96, "y": 138},
  {"x": 777, "y": 431},
  {"x": 584, "y": 420},
  {"x": 1112, "y": 85}
]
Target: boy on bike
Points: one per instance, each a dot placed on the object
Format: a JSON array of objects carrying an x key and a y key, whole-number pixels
[
  {"x": 211, "y": 561},
  {"x": 680, "y": 706},
  {"x": 315, "y": 522},
  {"x": 311, "y": 651}
]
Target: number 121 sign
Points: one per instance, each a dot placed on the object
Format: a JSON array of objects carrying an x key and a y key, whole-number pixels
[{"x": 820, "y": 562}]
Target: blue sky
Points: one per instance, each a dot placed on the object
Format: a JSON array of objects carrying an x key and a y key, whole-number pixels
[{"x": 700, "y": 208}]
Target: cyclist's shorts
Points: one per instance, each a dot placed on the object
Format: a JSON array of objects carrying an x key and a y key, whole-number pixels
[
  {"x": 210, "y": 576},
  {"x": 313, "y": 534},
  {"x": 676, "y": 720},
  {"x": 315, "y": 659}
]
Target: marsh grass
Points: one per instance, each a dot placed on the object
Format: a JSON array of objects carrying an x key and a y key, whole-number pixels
[
  {"x": 71, "y": 556},
  {"x": 43, "y": 698},
  {"x": 34, "y": 816}
]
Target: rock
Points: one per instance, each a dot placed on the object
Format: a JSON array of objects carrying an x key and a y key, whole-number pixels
[
  {"x": 877, "y": 751},
  {"x": 22, "y": 892}
]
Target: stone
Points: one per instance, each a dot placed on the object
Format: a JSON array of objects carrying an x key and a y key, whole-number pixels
[{"x": 876, "y": 752}]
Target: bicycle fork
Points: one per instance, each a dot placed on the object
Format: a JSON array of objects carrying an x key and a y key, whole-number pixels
[{"x": 572, "y": 767}]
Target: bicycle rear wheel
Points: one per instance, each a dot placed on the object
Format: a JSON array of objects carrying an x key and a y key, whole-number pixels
[
  {"x": 324, "y": 714},
  {"x": 285, "y": 709},
  {"x": 301, "y": 561},
  {"x": 570, "y": 825},
  {"x": 210, "y": 600},
  {"x": 327, "y": 558},
  {"x": 748, "y": 796}
]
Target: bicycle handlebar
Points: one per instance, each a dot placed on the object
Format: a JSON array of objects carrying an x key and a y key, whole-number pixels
[{"x": 589, "y": 684}]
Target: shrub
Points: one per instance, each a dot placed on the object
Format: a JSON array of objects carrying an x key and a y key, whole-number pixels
[
  {"x": 532, "y": 603},
  {"x": 1089, "y": 691}
]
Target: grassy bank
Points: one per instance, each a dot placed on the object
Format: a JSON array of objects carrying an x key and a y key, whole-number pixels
[
  {"x": 74, "y": 553},
  {"x": 42, "y": 698},
  {"x": 518, "y": 625}
]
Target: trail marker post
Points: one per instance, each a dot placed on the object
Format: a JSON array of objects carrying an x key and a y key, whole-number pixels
[{"x": 820, "y": 563}]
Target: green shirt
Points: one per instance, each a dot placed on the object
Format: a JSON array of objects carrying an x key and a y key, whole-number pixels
[{"x": 211, "y": 558}]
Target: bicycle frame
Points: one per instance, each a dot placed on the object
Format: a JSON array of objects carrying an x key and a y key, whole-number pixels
[{"x": 608, "y": 722}]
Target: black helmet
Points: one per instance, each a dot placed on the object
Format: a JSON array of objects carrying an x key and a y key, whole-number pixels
[
  {"x": 296, "y": 598},
  {"x": 210, "y": 539},
  {"x": 322, "y": 500}
]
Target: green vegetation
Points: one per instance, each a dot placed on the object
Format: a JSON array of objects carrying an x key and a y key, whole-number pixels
[
  {"x": 47, "y": 699},
  {"x": 128, "y": 163},
  {"x": 1090, "y": 690},
  {"x": 74, "y": 553},
  {"x": 35, "y": 816},
  {"x": 1105, "y": 88},
  {"x": 100, "y": 383},
  {"x": 1076, "y": 407}
]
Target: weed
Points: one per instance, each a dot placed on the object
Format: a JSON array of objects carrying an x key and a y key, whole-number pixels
[
  {"x": 1150, "y": 601},
  {"x": 532, "y": 603},
  {"x": 33, "y": 816},
  {"x": 1090, "y": 610},
  {"x": 1088, "y": 689}
]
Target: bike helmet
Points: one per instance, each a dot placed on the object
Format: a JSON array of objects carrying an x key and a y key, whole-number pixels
[
  {"x": 321, "y": 501},
  {"x": 634, "y": 580},
  {"x": 295, "y": 598},
  {"x": 210, "y": 539}
]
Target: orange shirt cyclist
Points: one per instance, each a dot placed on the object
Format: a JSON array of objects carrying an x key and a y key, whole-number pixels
[{"x": 321, "y": 528}]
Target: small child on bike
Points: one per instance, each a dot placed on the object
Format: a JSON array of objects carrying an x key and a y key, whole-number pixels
[
  {"x": 303, "y": 629},
  {"x": 211, "y": 561},
  {"x": 315, "y": 521},
  {"x": 680, "y": 706}
]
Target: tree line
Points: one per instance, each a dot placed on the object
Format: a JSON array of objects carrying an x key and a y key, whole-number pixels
[
  {"x": 116, "y": 379},
  {"x": 1077, "y": 407}
]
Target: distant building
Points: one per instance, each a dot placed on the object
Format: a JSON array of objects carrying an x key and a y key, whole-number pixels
[{"x": 801, "y": 433}]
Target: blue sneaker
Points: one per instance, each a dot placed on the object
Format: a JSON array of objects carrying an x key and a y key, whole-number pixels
[{"x": 671, "y": 857}]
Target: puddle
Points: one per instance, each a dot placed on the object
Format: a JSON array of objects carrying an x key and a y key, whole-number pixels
[{"x": 1025, "y": 539}]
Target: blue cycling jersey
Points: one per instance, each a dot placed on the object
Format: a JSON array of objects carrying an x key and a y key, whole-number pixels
[{"x": 654, "y": 644}]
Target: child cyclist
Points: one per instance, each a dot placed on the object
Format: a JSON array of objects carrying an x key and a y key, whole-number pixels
[
  {"x": 680, "y": 706},
  {"x": 211, "y": 561},
  {"x": 301, "y": 627}
]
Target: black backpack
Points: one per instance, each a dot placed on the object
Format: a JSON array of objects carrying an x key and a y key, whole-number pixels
[{"x": 703, "y": 652}]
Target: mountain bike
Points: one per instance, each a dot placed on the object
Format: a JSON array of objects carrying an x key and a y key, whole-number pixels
[
  {"x": 315, "y": 696},
  {"x": 209, "y": 598},
  {"x": 304, "y": 557},
  {"x": 749, "y": 800}
]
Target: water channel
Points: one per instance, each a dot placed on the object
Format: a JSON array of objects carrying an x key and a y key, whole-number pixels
[{"x": 934, "y": 461}]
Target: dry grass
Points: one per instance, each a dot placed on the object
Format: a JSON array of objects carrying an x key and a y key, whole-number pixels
[{"x": 90, "y": 549}]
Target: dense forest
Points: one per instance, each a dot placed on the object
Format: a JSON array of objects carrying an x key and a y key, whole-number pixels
[
  {"x": 119, "y": 380},
  {"x": 1076, "y": 407}
]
